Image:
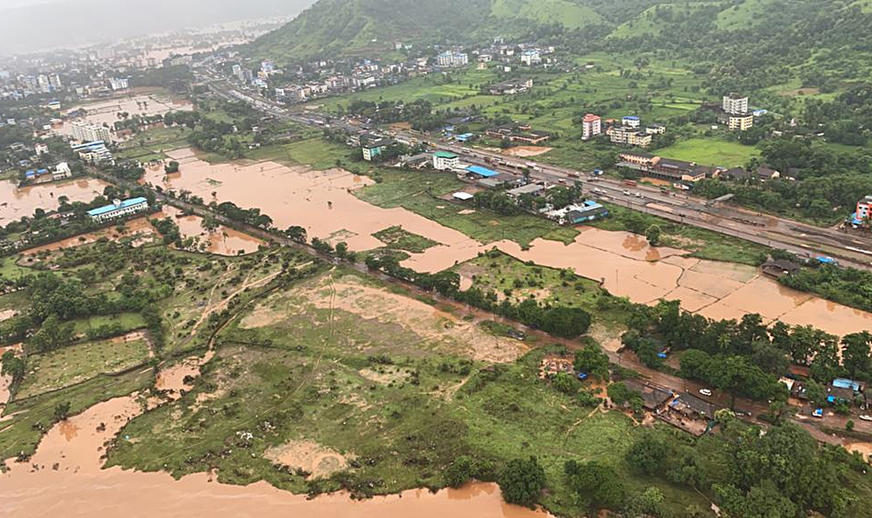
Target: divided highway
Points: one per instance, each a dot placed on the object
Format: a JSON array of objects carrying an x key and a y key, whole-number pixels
[{"x": 799, "y": 238}]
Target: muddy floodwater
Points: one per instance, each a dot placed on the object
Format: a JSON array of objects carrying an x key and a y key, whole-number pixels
[
  {"x": 222, "y": 241},
  {"x": 65, "y": 478},
  {"x": 16, "y": 202},
  {"x": 324, "y": 203}
]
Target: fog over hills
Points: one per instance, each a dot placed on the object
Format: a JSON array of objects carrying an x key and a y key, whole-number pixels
[{"x": 32, "y": 25}]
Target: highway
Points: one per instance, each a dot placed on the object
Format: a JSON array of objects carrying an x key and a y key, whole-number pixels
[{"x": 802, "y": 239}]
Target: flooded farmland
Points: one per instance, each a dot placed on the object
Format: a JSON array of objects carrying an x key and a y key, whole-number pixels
[
  {"x": 65, "y": 476},
  {"x": 16, "y": 202},
  {"x": 324, "y": 203}
]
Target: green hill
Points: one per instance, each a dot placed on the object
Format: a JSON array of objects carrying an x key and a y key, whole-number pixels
[{"x": 563, "y": 12}]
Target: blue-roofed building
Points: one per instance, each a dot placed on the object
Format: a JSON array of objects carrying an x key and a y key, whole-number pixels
[
  {"x": 31, "y": 174},
  {"x": 483, "y": 172},
  {"x": 465, "y": 137},
  {"x": 631, "y": 121},
  {"x": 118, "y": 209},
  {"x": 844, "y": 383}
]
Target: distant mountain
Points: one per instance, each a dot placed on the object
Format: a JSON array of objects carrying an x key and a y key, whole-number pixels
[
  {"x": 358, "y": 26},
  {"x": 40, "y": 25}
]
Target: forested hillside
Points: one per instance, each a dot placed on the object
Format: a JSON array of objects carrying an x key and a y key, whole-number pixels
[{"x": 746, "y": 43}]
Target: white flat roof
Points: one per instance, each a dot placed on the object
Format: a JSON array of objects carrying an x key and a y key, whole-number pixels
[{"x": 463, "y": 196}]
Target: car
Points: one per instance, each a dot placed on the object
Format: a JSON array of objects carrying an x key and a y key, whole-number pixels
[
  {"x": 705, "y": 392},
  {"x": 627, "y": 193},
  {"x": 818, "y": 412},
  {"x": 582, "y": 376},
  {"x": 865, "y": 417}
]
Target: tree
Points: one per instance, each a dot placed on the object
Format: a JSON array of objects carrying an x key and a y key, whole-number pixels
[
  {"x": 209, "y": 224},
  {"x": 645, "y": 504},
  {"x": 593, "y": 361},
  {"x": 459, "y": 472},
  {"x": 595, "y": 485},
  {"x": 12, "y": 366},
  {"x": 52, "y": 334},
  {"x": 648, "y": 454},
  {"x": 565, "y": 383},
  {"x": 522, "y": 481},
  {"x": 172, "y": 167},
  {"x": 855, "y": 352},
  {"x": 296, "y": 233},
  {"x": 653, "y": 235},
  {"x": 62, "y": 411}
]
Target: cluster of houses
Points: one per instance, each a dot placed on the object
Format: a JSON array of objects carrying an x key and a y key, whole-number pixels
[
  {"x": 61, "y": 171},
  {"x": 628, "y": 131},
  {"x": 840, "y": 391},
  {"x": 518, "y": 134},
  {"x": 686, "y": 173}
]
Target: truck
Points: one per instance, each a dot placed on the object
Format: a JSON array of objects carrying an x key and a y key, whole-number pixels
[{"x": 630, "y": 183}]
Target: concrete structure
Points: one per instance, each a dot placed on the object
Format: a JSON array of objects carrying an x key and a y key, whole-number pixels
[
  {"x": 480, "y": 171},
  {"x": 511, "y": 87},
  {"x": 462, "y": 196},
  {"x": 452, "y": 59},
  {"x": 118, "y": 209},
  {"x": 740, "y": 122},
  {"x": 531, "y": 57},
  {"x": 40, "y": 149},
  {"x": 531, "y": 188},
  {"x": 84, "y": 131},
  {"x": 93, "y": 152},
  {"x": 631, "y": 121},
  {"x": 119, "y": 83},
  {"x": 664, "y": 168},
  {"x": 62, "y": 171},
  {"x": 577, "y": 214},
  {"x": 735, "y": 104},
  {"x": 373, "y": 149},
  {"x": 443, "y": 161},
  {"x": 591, "y": 126},
  {"x": 864, "y": 209},
  {"x": 629, "y": 136}
]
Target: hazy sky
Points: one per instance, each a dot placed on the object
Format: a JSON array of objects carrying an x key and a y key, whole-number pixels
[{"x": 30, "y": 25}]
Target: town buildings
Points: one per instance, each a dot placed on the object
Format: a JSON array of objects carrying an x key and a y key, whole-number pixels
[
  {"x": 511, "y": 87},
  {"x": 591, "y": 126},
  {"x": 736, "y": 114},
  {"x": 118, "y": 209},
  {"x": 445, "y": 161},
  {"x": 84, "y": 131},
  {"x": 664, "y": 168},
  {"x": 452, "y": 59}
]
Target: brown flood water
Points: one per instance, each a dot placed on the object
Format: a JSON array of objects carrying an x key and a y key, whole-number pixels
[
  {"x": 64, "y": 477},
  {"x": 16, "y": 203},
  {"x": 323, "y": 202},
  {"x": 221, "y": 241}
]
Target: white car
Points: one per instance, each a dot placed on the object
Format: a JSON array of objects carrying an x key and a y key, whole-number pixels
[
  {"x": 705, "y": 392},
  {"x": 865, "y": 417}
]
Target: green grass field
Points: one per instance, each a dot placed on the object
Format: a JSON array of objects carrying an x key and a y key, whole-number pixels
[
  {"x": 76, "y": 363},
  {"x": 396, "y": 238},
  {"x": 712, "y": 152}
]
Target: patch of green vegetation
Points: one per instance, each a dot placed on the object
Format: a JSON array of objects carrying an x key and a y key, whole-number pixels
[
  {"x": 397, "y": 238},
  {"x": 313, "y": 152},
  {"x": 153, "y": 144},
  {"x": 399, "y": 414},
  {"x": 120, "y": 323},
  {"x": 562, "y": 12},
  {"x": 427, "y": 194},
  {"x": 709, "y": 151},
  {"x": 76, "y": 363}
]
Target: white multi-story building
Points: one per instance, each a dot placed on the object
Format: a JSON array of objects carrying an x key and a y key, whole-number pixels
[
  {"x": 119, "y": 83},
  {"x": 443, "y": 161},
  {"x": 591, "y": 126},
  {"x": 118, "y": 209},
  {"x": 62, "y": 170},
  {"x": 40, "y": 148},
  {"x": 531, "y": 57},
  {"x": 84, "y": 131},
  {"x": 452, "y": 59},
  {"x": 735, "y": 104}
]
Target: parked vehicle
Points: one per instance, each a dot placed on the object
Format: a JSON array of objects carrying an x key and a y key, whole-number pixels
[
  {"x": 865, "y": 417},
  {"x": 582, "y": 376},
  {"x": 818, "y": 413},
  {"x": 705, "y": 392}
]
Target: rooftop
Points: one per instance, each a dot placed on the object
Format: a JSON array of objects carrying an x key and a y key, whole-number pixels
[
  {"x": 115, "y": 206},
  {"x": 481, "y": 171},
  {"x": 444, "y": 154}
]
